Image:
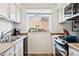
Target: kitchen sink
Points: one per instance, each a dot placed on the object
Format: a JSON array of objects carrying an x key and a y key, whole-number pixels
[
  {"x": 15, "y": 37},
  {"x": 12, "y": 39}
]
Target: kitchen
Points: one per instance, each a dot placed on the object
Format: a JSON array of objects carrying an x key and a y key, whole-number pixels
[{"x": 21, "y": 34}]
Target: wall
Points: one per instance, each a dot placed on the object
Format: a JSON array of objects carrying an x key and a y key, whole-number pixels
[
  {"x": 55, "y": 27},
  {"x": 5, "y": 25},
  {"x": 23, "y": 24}
]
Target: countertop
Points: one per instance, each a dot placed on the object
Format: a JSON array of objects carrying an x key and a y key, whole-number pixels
[
  {"x": 23, "y": 36},
  {"x": 6, "y": 46},
  {"x": 74, "y": 45}
]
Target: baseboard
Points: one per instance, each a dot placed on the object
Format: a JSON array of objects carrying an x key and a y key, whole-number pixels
[
  {"x": 40, "y": 55},
  {"x": 34, "y": 53}
]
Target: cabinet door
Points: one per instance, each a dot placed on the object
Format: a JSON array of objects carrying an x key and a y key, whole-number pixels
[
  {"x": 19, "y": 52},
  {"x": 19, "y": 48},
  {"x": 73, "y": 52},
  {"x": 4, "y": 9},
  {"x": 18, "y": 14},
  {"x": 13, "y": 12},
  {"x": 61, "y": 15}
]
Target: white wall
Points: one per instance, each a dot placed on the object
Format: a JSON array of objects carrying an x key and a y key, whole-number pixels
[
  {"x": 38, "y": 10},
  {"x": 23, "y": 24},
  {"x": 5, "y": 25},
  {"x": 55, "y": 26}
]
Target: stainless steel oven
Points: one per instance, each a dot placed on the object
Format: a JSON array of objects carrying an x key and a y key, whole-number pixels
[{"x": 61, "y": 48}]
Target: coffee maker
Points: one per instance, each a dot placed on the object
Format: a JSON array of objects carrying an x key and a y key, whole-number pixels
[{"x": 16, "y": 32}]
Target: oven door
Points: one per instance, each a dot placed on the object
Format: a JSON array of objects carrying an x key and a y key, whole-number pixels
[{"x": 59, "y": 51}]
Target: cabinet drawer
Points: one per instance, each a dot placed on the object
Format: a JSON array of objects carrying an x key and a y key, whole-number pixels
[
  {"x": 19, "y": 45},
  {"x": 73, "y": 52},
  {"x": 19, "y": 48},
  {"x": 19, "y": 52}
]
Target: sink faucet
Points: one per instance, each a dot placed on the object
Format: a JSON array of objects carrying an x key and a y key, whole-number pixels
[
  {"x": 1, "y": 35},
  {"x": 5, "y": 36}
]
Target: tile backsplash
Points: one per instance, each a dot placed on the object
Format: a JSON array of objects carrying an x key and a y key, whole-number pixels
[{"x": 5, "y": 25}]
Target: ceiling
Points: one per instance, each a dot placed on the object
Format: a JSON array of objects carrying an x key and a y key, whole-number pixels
[{"x": 38, "y": 5}]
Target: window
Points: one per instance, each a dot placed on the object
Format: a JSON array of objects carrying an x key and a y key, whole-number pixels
[{"x": 38, "y": 22}]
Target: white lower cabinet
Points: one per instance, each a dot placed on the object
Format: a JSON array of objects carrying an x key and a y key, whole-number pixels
[
  {"x": 73, "y": 52},
  {"x": 19, "y": 52},
  {"x": 16, "y": 50},
  {"x": 9, "y": 52},
  {"x": 19, "y": 48}
]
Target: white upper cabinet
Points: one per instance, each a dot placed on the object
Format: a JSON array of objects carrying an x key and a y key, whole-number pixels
[
  {"x": 4, "y": 10},
  {"x": 13, "y": 12},
  {"x": 18, "y": 15},
  {"x": 61, "y": 13},
  {"x": 10, "y": 11}
]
